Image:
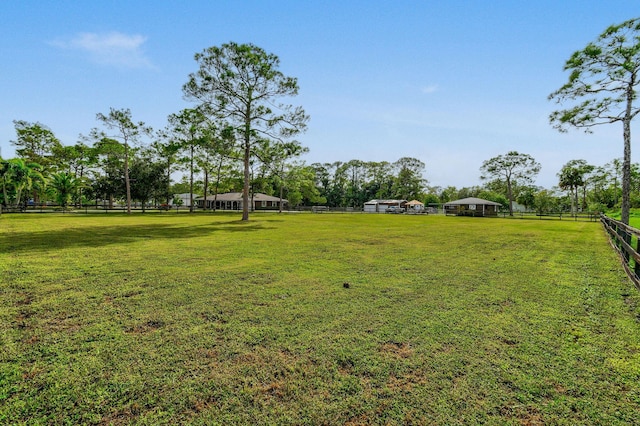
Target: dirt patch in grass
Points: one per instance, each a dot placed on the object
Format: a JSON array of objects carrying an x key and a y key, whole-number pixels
[{"x": 397, "y": 349}]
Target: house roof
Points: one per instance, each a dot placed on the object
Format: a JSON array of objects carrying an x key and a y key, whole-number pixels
[
  {"x": 472, "y": 200},
  {"x": 186, "y": 195},
  {"x": 415, "y": 203},
  {"x": 386, "y": 202},
  {"x": 237, "y": 196}
]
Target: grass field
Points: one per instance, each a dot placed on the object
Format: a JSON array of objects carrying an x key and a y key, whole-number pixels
[{"x": 204, "y": 320}]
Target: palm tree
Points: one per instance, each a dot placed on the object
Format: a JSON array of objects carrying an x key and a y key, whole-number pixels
[
  {"x": 4, "y": 173},
  {"x": 22, "y": 176},
  {"x": 571, "y": 177},
  {"x": 65, "y": 186}
]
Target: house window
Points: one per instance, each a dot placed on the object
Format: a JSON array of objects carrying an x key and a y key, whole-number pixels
[
  {"x": 472, "y": 206},
  {"x": 264, "y": 204}
]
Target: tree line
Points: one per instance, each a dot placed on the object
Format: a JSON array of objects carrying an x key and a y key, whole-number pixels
[
  {"x": 126, "y": 161},
  {"x": 97, "y": 168}
]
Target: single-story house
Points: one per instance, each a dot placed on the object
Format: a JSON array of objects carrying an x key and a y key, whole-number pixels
[
  {"x": 379, "y": 206},
  {"x": 472, "y": 207},
  {"x": 233, "y": 201}
]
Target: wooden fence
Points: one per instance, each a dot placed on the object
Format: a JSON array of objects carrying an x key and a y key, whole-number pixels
[
  {"x": 625, "y": 240},
  {"x": 583, "y": 217}
]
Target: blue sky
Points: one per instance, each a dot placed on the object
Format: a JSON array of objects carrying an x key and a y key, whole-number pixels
[{"x": 450, "y": 82}]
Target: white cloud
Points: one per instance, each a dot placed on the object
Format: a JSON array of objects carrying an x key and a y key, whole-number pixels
[
  {"x": 429, "y": 89},
  {"x": 114, "y": 48}
]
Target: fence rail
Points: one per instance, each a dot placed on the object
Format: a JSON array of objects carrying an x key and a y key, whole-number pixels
[
  {"x": 584, "y": 217},
  {"x": 626, "y": 241}
]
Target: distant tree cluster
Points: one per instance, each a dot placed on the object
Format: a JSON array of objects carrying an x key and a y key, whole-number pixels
[{"x": 355, "y": 182}]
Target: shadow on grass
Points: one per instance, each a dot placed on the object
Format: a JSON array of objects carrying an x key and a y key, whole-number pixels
[{"x": 98, "y": 236}]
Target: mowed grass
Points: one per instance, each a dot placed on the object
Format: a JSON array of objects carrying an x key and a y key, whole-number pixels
[{"x": 205, "y": 320}]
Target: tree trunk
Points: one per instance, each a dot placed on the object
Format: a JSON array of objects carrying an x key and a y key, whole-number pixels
[
  {"x": 18, "y": 196},
  {"x": 217, "y": 185},
  {"x": 626, "y": 175},
  {"x": 168, "y": 180},
  {"x": 626, "y": 161},
  {"x": 126, "y": 176},
  {"x": 5, "y": 199},
  {"x": 510, "y": 197},
  {"x": 191, "y": 183},
  {"x": 247, "y": 157},
  {"x": 79, "y": 203},
  {"x": 206, "y": 186}
]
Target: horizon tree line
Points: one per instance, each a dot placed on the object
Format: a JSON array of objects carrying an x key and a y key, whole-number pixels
[{"x": 93, "y": 172}]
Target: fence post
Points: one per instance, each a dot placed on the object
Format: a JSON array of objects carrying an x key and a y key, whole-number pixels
[
  {"x": 622, "y": 236},
  {"x": 636, "y": 268},
  {"x": 627, "y": 239}
]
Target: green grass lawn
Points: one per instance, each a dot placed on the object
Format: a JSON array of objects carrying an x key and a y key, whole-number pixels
[{"x": 201, "y": 319}]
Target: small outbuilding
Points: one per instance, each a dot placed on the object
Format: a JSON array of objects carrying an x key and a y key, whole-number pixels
[
  {"x": 472, "y": 207},
  {"x": 185, "y": 198},
  {"x": 381, "y": 206},
  {"x": 415, "y": 206}
]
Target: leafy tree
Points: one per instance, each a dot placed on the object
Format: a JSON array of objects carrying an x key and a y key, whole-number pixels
[
  {"x": 218, "y": 159},
  {"x": 381, "y": 179},
  {"x": 602, "y": 84},
  {"x": 544, "y": 201},
  {"x": 526, "y": 196},
  {"x": 572, "y": 176},
  {"x": 513, "y": 168},
  {"x": 602, "y": 190},
  {"x": 166, "y": 149},
  {"x": 190, "y": 130},
  {"x": 148, "y": 180},
  {"x": 323, "y": 180},
  {"x": 337, "y": 189},
  {"x": 110, "y": 184},
  {"x": 182, "y": 187},
  {"x": 76, "y": 160},
  {"x": 355, "y": 172},
  {"x": 241, "y": 83},
  {"x": 36, "y": 143},
  {"x": 495, "y": 197},
  {"x": 474, "y": 191},
  {"x": 127, "y": 132},
  {"x": 431, "y": 199},
  {"x": 278, "y": 156},
  {"x": 301, "y": 186},
  {"x": 450, "y": 193},
  {"x": 409, "y": 182}
]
